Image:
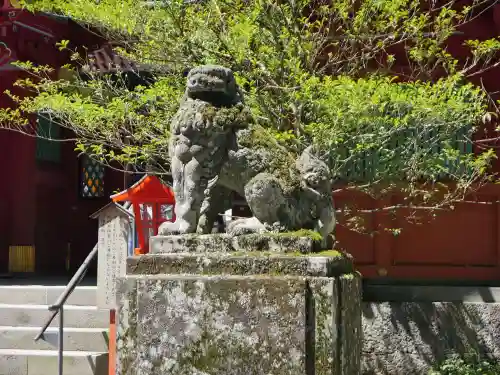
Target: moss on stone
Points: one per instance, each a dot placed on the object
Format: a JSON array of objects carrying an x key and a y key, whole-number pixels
[
  {"x": 324, "y": 301},
  {"x": 295, "y": 253},
  {"x": 242, "y": 263},
  {"x": 127, "y": 316},
  {"x": 330, "y": 253},
  {"x": 351, "y": 276},
  {"x": 282, "y": 162},
  {"x": 350, "y": 321},
  {"x": 313, "y": 235}
]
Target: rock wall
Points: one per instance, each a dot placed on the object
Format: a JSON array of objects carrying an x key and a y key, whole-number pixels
[
  {"x": 239, "y": 313},
  {"x": 402, "y": 338}
]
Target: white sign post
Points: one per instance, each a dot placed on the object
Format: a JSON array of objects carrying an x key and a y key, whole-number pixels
[{"x": 115, "y": 229}]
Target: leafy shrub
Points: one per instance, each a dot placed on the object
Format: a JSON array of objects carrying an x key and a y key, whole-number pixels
[{"x": 469, "y": 365}]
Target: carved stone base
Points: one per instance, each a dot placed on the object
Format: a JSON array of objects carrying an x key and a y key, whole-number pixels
[{"x": 242, "y": 312}]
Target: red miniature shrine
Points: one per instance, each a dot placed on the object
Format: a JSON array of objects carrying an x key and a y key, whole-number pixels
[{"x": 153, "y": 203}]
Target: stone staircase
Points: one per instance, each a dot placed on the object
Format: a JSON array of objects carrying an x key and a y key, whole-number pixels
[{"x": 24, "y": 310}]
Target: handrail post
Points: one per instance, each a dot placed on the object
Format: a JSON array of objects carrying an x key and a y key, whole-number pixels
[{"x": 60, "y": 348}]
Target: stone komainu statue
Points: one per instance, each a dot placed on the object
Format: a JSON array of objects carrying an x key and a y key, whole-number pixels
[
  {"x": 202, "y": 131},
  {"x": 208, "y": 162}
]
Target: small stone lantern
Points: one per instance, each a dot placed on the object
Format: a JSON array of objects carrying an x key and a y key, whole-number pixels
[{"x": 152, "y": 203}]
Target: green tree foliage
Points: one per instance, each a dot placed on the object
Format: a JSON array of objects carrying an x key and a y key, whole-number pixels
[{"x": 312, "y": 71}]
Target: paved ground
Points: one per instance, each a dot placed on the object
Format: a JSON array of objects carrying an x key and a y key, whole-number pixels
[
  {"x": 43, "y": 280},
  {"x": 425, "y": 293}
]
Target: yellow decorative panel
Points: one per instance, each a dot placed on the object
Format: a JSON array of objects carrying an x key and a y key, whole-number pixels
[
  {"x": 15, "y": 4},
  {"x": 21, "y": 258}
]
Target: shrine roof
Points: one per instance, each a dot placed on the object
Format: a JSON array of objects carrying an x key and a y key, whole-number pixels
[{"x": 147, "y": 189}]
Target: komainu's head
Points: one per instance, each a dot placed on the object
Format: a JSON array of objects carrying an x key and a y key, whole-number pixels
[{"x": 214, "y": 84}]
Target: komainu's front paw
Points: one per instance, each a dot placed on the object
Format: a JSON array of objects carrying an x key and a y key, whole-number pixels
[{"x": 245, "y": 226}]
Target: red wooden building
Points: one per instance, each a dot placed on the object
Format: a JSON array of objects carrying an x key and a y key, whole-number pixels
[
  {"x": 460, "y": 245},
  {"x": 48, "y": 192}
]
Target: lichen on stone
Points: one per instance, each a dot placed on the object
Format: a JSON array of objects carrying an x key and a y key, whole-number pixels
[
  {"x": 239, "y": 264},
  {"x": 205, "y": 243},
  {"x": 235, "y": 326},
  {"x": 220, "y": 313},
  {"x": 207, "y": 334}
]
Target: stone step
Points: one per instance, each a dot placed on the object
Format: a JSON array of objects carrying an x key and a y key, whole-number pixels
[
  {"x": 322, "y": 264},
  {"x": 84, "y": 339},
  {"x": 45, "y": 295},
  {"x": 37, "y": 315},
  {"x": 44, "y": 362},
  {"x": 222, "y": 243}
]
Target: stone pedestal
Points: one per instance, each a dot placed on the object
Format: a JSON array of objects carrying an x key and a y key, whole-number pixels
[{"x": 238, "y": 312}]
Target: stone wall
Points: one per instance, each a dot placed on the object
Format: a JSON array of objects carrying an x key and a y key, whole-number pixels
[
  {"x": 239, "y": 313},
  {"x": 402, "y": 338}
]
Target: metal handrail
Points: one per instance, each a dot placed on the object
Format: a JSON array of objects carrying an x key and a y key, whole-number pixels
[{"x": 58, "y": 306}]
